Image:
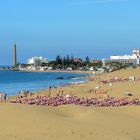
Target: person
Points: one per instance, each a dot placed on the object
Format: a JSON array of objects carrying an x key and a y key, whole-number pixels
[
  {"x": 5, "y": 97},
  {"x": 50, "y": 90},
  {"x": 110, "y": 84}
]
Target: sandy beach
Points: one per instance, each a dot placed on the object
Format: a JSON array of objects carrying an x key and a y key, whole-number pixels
[
  {"x": 32, "y": 122},
  {"x": 22, "y": 122}
]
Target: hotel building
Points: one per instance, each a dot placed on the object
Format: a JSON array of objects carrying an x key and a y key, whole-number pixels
[{"x": 134, "y": 58}]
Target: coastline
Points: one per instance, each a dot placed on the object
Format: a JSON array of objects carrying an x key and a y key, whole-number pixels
[
  {"x": 45, "y": 91},
  {"x": 55, "y": 71},
  {"x": 61, "y": 71},
  {"x": 90, "y": 83},
  {"x": 65, "y": 79}
]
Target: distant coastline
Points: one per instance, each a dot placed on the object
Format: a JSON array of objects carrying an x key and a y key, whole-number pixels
[
  {"x": 66, "y": 71},
  {"x": 63, "y": 71},
  {"x": 9, "y": 69}
]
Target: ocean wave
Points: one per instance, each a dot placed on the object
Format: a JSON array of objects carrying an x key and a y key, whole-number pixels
[{"x": 78, "y": 82}]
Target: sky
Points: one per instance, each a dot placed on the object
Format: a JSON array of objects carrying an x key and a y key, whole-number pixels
[{"x": 94, "y": 28}]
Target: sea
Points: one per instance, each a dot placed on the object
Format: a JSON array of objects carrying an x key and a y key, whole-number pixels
[{"x": 12, "y": 82}]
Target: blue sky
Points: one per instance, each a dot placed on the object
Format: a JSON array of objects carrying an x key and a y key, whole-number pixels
[{"x": 95, "y": 28}]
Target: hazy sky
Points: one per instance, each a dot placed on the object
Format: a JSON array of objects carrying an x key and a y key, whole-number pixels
[{"x": 95, "y": 28}]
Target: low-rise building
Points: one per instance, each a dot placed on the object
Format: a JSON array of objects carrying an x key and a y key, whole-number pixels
[
  {"x": 95, "y": 61},
  {"x": 79, "y": 60},
  {"x": 37, "y": 61}
]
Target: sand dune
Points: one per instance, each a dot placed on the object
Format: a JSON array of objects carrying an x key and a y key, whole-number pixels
[{"x": 22, "y": 122}]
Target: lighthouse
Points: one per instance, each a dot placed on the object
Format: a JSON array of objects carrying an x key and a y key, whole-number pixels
[{"x": 15, "y": 55}]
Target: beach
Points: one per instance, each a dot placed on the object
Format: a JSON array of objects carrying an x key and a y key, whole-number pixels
[
  {"x": 70, "y": 70},
  {"x": 22, "y": 122},
  {"x": 118, "y": 89},
  {"x": 33, "y": 122}
]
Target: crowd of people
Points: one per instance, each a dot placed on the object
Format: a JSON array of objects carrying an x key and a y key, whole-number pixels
[
  {"x": 116, "y": 79},
  {"x": 63, "y": 99},
  {"x": 74, "y": 100},
  {"x": 3, "y": 97}
]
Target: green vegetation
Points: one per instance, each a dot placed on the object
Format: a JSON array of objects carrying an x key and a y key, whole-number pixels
[
  {"x": 114, "y": 66},
  {"x": 73, "y": 63}
]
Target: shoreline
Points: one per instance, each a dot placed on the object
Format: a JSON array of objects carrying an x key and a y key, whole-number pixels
[
  {"x": 66, "y": 85},
  {"x": 84, "y": 79},
  {"x": 87, "y": 82},
  {"x": 63, "y": 71}
]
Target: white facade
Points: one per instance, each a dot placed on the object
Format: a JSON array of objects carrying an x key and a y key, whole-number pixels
[
  {"x": 91, "y": 68},
  {"x": 124, "y": 57},
  {"x": 37, "y": 61},
  {"x": 134, "y": 58}
]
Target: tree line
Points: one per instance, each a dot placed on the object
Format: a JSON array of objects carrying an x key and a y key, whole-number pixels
[{"x": 71, "y": 62}]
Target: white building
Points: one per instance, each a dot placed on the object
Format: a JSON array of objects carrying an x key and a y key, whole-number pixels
[
  {"x": 134, "y": 58},
  {"x": 37, "y": 61}
]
